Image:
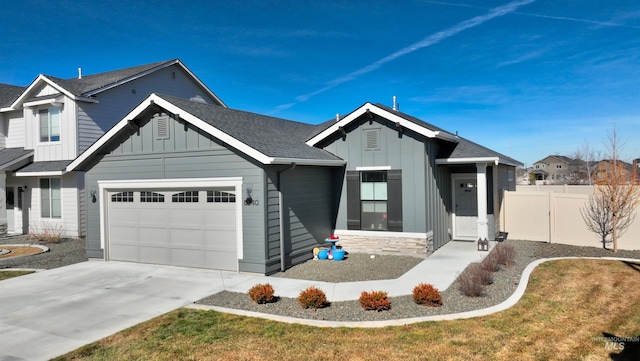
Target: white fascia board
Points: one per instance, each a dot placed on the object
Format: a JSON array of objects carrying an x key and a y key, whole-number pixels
[
  {"x": 494, "y": 160},
  {"x": 7, "y": 109},
  {"x": 383, "y": 113},
  {"x": 177, "y": 183},
  {"x": 365, "y": 169},
  {"x": 55, "y": 173},
  {"x": 301, "y": 161},
  {"x": 197, "y": 122},
  {"x": 39, "y": 80},
  {"x": 52, "y": 101}
]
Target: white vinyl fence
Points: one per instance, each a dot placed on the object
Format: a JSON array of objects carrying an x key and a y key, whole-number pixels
[{"x": 552, "y": 214}]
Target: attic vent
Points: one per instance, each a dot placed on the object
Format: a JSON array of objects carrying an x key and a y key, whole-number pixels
[
  {"x": 372, "y": 139},
  {"x": 162, "y": 127}
]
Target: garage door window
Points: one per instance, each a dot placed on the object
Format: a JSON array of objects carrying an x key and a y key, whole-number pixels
[
  {"x": 220, "y": 197},
  {"x": 151, "y": 197},
  {"x": 185, "y": 197},
  {"x": 122, "y": 197}
]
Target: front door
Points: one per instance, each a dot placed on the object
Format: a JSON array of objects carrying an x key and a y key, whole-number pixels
[
  {"x": 465, "y": 200},
  {"x": 15, "y": 222}
]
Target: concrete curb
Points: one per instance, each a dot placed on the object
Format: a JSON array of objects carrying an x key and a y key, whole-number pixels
[
  {"x": 43, "y": 248},
  {"x": 506, "y": 304}
]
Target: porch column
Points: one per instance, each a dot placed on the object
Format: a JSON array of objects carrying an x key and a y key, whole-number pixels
[
  {"x": 3, "y": 203},
  {"x": 483, "y": 222}
]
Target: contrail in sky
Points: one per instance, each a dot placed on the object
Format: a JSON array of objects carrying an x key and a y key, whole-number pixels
[{"x": 428, "y": 41}]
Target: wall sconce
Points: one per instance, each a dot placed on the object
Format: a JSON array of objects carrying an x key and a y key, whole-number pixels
[
  {"x": 249, "y": 200},
  {"x": 92, "y": 193}
]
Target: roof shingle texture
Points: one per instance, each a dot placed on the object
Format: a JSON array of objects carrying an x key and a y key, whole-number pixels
[
  {"x": 90, "y": 83},
  {"x": 48, "y": 166},
  {"x": 8, "y": 155},
  {"x": 273, "y": 137},
  {"x": 9, "y": 93}
]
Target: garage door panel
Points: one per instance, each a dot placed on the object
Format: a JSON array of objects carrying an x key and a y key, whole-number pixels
[
  {"x": 154, "y": 236},
  {"x": 222, "y": 260},
  {"x": 123, "y": 234},
  {"x": 186, "y": 237},
  {"x": 151, "y": 216},
  {"x": 123, "y": 252},
  {"x": 187, "y": 217},
  {"x": 123, "y": 216},
  {"x": 221, "y": 241},
  {"x": 188, "y": 258},
  {"x": 157, "y": 255},
  {"x": 192, "y": 231}
]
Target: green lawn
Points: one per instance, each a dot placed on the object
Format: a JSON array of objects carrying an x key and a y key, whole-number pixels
[
  {"x": 569, "y": 305},
  {"x": 10, "y": 274}
]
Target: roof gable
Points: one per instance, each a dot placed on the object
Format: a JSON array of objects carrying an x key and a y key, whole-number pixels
[
  {"x": 266, "y": 139},
  {"x": 399, "y": 118},
  {"x": 85, "y": 87}
]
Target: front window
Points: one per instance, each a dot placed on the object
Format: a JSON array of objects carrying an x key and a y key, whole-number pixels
[
  {"x": 50, "y": 198},
  {"x": 49, "y": 124},
  {"x": 373, "y": 198}
]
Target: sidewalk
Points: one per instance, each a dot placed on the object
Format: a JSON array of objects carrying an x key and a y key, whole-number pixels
[{"x": 440, "y": 269}]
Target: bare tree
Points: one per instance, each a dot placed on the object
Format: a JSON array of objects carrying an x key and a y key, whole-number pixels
[
  {"x": 586, "y": 157},
  {"x": 610, "y": 211}
]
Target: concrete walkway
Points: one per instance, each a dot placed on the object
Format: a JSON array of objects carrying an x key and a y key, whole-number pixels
[{"x": 46, "y": 314}]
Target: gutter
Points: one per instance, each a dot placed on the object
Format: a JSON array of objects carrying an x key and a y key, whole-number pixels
[{"x": 280, "y": 215}]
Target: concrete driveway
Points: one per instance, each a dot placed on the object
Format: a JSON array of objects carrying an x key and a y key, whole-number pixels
[{"x": 50, "y": 313}]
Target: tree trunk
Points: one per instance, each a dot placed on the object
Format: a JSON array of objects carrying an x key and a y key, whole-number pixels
[{"x": 614, "y": 233}]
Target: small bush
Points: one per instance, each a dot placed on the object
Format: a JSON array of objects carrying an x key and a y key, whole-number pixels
[
  {"x": 47, "y": 232},
  {"x": 505, "y": 254},
  {"x": 427, "y": 295},
  {"x": 312, "y": 297},
  {"x": 375, "y": 300},
  {"x": 262, "y": 293},
  {"x": 472, "y": 280},
  {"x": 490, "y": 262}
]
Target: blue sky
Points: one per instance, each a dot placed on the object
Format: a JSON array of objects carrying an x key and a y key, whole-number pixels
[{"x": 527, "y": 78}]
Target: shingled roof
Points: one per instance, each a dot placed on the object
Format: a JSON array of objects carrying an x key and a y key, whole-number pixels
[
  {"x": 88, "y": 84},
  {"x": 9, "y": 93},
  {"x": 271, "y": 136}
]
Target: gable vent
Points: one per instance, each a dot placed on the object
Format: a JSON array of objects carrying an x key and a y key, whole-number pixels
[
  {"x": 372, "y": 139},
  {"x": 162, "y": 127}
]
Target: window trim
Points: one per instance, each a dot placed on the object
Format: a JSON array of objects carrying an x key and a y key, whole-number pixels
[
  {"x": 39, "y": 113},
  {"x": 50, "y": 198}
]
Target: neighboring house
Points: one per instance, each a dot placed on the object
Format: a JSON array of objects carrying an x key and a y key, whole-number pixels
[
  {"x": 603, "y": 168},
  {"x": 558, "y": 169},
  {"x": 185, "y": 183},
  {"x": 49, "y": 123}
]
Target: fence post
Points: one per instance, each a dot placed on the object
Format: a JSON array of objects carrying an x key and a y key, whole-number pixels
[{"x": 552, "y": 222}]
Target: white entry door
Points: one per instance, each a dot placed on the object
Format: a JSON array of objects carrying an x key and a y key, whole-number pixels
[
  {"x": 13, "y": 198},
  {"x": 465, "y": 201}
]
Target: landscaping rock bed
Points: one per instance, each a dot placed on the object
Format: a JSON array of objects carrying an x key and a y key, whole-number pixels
[
  {"x": 62, "y": 253},
  {"x": 505, "y": 282}
]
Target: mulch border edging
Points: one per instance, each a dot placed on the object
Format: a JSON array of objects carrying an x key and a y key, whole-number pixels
[{"x": 504, "y": 305}]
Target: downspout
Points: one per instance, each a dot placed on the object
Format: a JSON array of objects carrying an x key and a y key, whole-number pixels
[{"x": 281, "y": 215}]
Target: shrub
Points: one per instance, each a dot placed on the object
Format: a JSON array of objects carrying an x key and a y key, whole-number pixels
[
  {"x": 47, "y": 232},
  {"x": 312, "y": 297},
  {"x": 505, "y": 254},
  {"x": 427, "y": 295},
  {"x": 472, "y": 280},
  {"x": 262, "y": 293},
  {"x": 375, "y": 300},
  {"x": 490, "y": 262}
]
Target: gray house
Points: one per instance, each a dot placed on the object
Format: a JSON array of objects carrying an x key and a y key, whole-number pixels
[{"x": 186, "y": 183}]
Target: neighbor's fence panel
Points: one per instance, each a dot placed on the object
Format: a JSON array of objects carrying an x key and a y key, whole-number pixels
[{"x": 552, "y": 214}]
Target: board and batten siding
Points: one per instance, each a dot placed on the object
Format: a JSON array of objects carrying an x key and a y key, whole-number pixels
[
  {"x": 438, "y": 196},
  {"x": 66, "y": 148},
  {"x": 14, "y": 127},
  {"x": 68, "y": 223},
  {"x": 399, "y": 150},
  {"x": 96, "y": 118},
  {"x": 187, "y": 153},
  {"x": 309, "y": 204}
]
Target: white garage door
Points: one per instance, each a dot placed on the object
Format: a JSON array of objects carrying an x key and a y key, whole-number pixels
[{"x": 193, "y": 228}]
